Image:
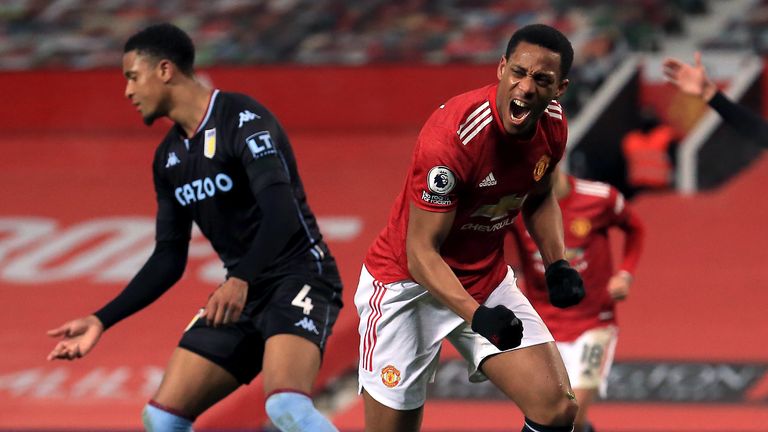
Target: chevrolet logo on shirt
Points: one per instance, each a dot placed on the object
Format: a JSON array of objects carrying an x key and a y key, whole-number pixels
[{"x": 500, "y": 209}]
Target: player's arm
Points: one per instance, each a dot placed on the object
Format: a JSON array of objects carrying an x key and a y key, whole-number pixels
[
  {"x": 426, "y": 233},
  {"x": 255, "y": 144},
  {"x": 278, "y": 224},
  {"x": 163, "y": 269},
  {"x": 544, "y": 222},
  {"x": 693, "y": 80},
  {"x": 634, "y": 235},
  {"x": 517, "y": 256},
  {"x": 744, "y": 120}
]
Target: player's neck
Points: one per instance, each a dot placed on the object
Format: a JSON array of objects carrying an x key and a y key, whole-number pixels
[{"x": 190, "y": 103}]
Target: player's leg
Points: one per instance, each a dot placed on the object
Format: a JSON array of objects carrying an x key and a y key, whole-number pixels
[
  {"x": 588, "y": 360},
  {"x": 209, "y": 364},
  {"x": 401, "y": 329},
  {"x": 532, "y": 375},
  {"x": 297, "y": 322},
  {"x": 291, "y": 364},
  {"x": 191, "y": 384},
  {"x": 536, "y": 380},
  {"x": 379, "y": 417},
  {"x": 585, "y": 398}
]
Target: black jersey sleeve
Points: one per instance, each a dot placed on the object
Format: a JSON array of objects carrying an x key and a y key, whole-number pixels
[
  {"x": 279, "y": 223},
  {"x": 163, "y": 269},
  {"x": 258, "y": 144},
  {"x": 741, "y": 118},
  {"x": 172, "y": 222}
]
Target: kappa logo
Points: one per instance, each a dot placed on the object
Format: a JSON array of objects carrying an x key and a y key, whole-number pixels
[
  {"x": 489, "y": 180},
  {"x": 247, "y": 116},
  {"x": 173, "y": 160},
  {"x": 307, "y": 324}
]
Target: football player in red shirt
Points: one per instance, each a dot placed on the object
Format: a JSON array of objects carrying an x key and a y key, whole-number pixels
[
  {"x": 585, "y": 334},
  {"x": 437, "y": 270}
]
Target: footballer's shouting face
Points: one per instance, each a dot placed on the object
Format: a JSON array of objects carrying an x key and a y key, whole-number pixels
[
  {"x": 146, "y": 85},
  {"x": 528, "y": 80}
]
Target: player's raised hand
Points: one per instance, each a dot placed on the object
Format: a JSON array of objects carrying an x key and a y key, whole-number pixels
[
  {"x": 691, "y": 79},
  {"x": 618, "y": 285},
  {"x": 564, "y": 284},
  {"x": 79, "y": 338},
  {"x": 499, "y": 325},
  {"x": 226, "y": 303}
]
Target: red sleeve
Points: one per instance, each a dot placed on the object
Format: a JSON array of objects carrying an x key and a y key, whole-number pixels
[
  {"x": 439, "y": 169},
  {"x": 634, "y": 231}
]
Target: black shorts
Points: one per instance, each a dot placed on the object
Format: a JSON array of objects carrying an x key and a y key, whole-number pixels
[{"x": 306, "y": 306}]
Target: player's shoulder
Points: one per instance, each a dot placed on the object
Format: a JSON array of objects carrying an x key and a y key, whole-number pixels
[
  {"x": 599, "y": 194},
  {"x": 239, "y": 108},
  {"x": 555, "y": 114},
  {"x": 592, "y": 188},
  {"x": 465, "y": 115},
  {"x": 555, "y": 122}
]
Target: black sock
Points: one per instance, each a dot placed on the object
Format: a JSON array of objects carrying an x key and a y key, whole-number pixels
[{"x": 532, "y": 426}]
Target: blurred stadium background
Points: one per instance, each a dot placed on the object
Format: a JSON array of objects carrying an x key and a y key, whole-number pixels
[{"x": 352, "y": 82}]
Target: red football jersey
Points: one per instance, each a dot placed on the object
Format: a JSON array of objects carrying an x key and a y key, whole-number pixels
[
  {"x": 465, "y": 161},
  {"x": 589, "y": 211}
]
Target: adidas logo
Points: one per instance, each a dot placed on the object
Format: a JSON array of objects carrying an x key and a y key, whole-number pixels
[
  {"x": 308, "y": 325},
  {"x": 489, "y": 180}
]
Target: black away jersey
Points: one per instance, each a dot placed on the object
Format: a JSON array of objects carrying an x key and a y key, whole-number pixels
[{"x": 213, "y": 178}]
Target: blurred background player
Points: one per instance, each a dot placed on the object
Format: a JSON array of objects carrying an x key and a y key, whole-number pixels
[
  {"x": 586, "y": 334},
  {"x": 226, "y": 165},
  {"x": 437, "y": 270},
  {"x": 693, "y": 80}
]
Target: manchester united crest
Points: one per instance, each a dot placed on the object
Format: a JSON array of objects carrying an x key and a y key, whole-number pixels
[
  {"x": 580, "y": 227},
  {"x": 541, "y": 168},
  {"x": 390, "y": 376}
]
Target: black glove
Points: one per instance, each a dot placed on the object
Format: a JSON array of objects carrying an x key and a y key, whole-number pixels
[
  {"x": 499, "y": 325},
  {"x": 564, "y": 284}
]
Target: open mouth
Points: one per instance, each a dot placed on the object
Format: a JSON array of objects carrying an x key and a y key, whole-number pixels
[{"x": 518, "y": 111}]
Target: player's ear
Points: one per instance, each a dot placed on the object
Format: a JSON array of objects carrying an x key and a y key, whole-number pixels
[
  {"x": 500, "y": 68},
  {"x": 166, "y": 69},
  {"x": 561, "y": 88}
]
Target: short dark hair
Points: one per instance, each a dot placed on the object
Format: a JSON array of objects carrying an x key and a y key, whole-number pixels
[
  {"x": 165, "y": 41},
  {"x": 547, "y": 37}
]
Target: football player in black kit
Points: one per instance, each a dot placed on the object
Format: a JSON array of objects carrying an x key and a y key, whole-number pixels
[{"x": 226, "y": 165}]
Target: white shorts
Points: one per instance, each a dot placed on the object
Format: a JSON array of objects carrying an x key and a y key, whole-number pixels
[
  {"x": 401, "y": 330},
  {"x": 589, "y": 358}
]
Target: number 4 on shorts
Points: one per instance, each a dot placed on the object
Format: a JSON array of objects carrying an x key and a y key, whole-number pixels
[{"x": 301, "y": 300}]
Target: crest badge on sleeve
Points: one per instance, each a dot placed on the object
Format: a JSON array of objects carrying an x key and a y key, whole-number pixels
[
  {"x": 541, "y": 168},
  {"x": 209, "y": 148}
]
